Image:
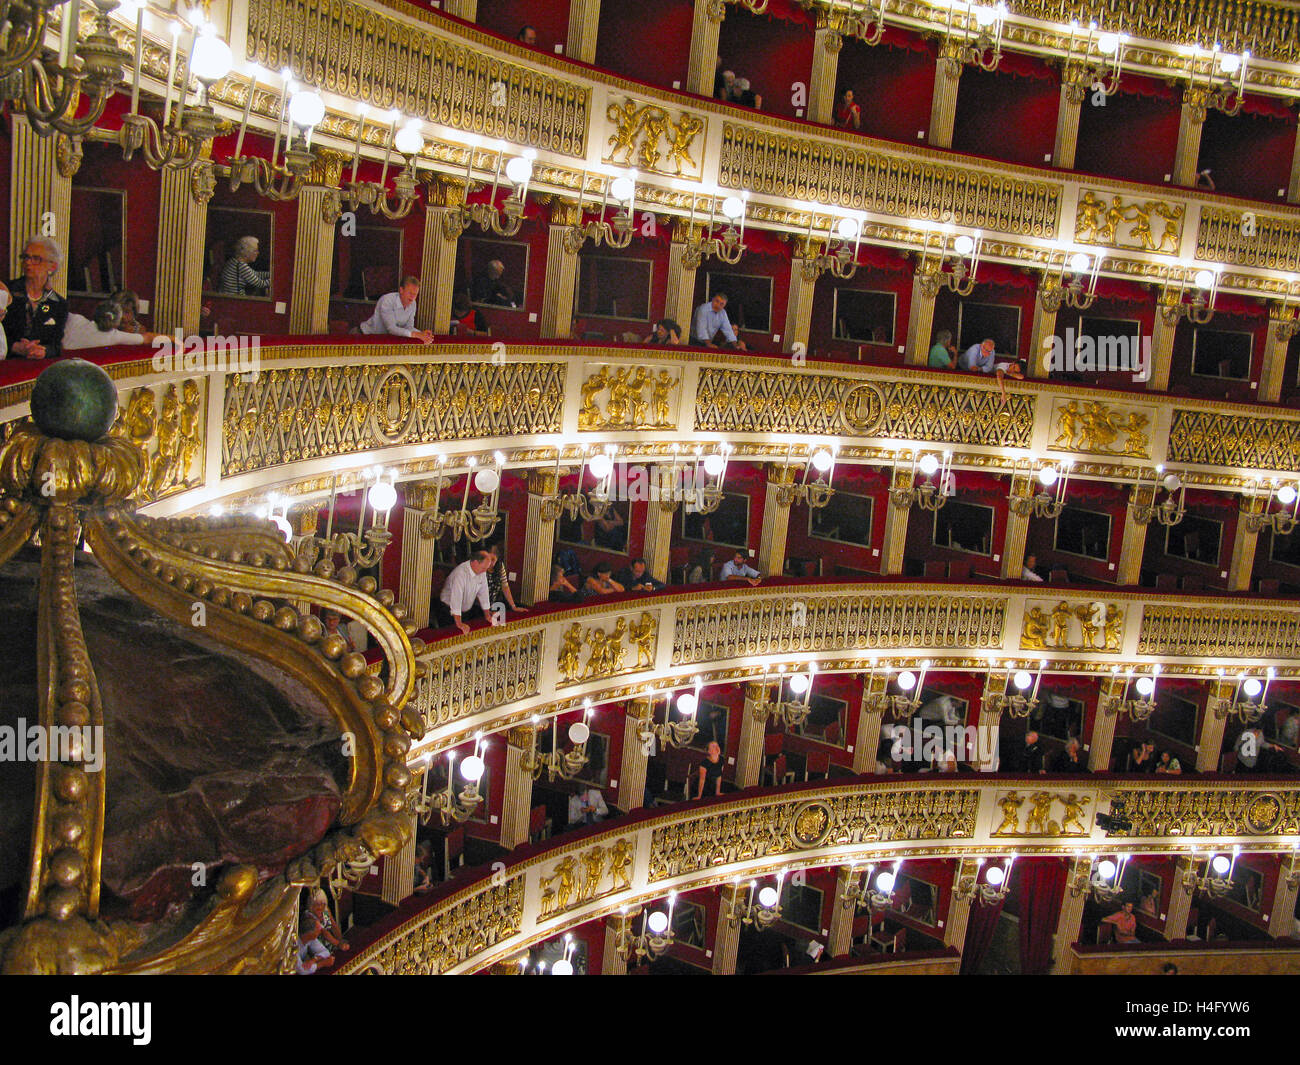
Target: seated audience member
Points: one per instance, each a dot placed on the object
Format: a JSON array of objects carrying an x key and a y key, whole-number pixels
[
  {"x": 395, "y": 313},
  {"x": 943, "y": 353},
  {"x": 609, "y": 531},
  {"x": 499, "y": 582},
  {"x": 742, "y": 94},
  {"x": 978, "y": 357},
  {"x": 527, "y": 36},
  {"x": 130, "y": 304},
  {"x": 423, "y": 867},
  {"x": 1168, "y": 764},
  {"x": 562, "y": 589},
  {"x": 738, "y": 569},
  {"x": 567, "y": 559},
  {"x": 709, "y": 320},
  {"x": 586, "y": 805},
  {"x": 466, "y": 585},
  {"x": 1031, "y": 755},
  {"x": 699, "y": 570},
  {"x": 1067, "y": 760},
  {"x": 723, "y": 82},
  {"x": 322, "y": 924},
  {"x": 488, "y": 287},
  {"x": 601, "y": 581},
  {"x": 1125, "y": 922},
  {"x": 666, "y": 331},
  {"x": 1027, "y": 573},
  {"x": 849, "y": 114},
  {"x": 1141, "y": 758},
  {"x": 36, "y": 314},
  {"x": 312, "y": 955},
  {"x": 636, "y": 578},
  {"x": 1014, "y": 369},
  {"x": 1150, "y": 903},
  {"x": 332, "y": 622},
  {"x": 237, "y": 277},
  {"x": 102, "y": 332},
  {"x": 467, "y": 320},
  {"x": 1289, "y": 730},
  {"x": 1254, "y": 753}
]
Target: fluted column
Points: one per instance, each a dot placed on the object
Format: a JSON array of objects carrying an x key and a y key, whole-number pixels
[
  {"x": 1163, "y": 330},
  {"x": 1129, "y": 569},
  {"x": 1102, "y": 740},
  {"x": 632, "y": 767},
  {"x": 415, "y": 581},
  {"x": 827, "y": 43},
  {"x": 749, "y": 749},
  {"x": 1242, "y": 565},
  {"x": 705, "y": 29},
  {"x": 726, "y": 936},
  {"x": 659, "y": 525},
  {"x": 1293, "y": 185},
  {"x": 776, "y": 522},
  {"x": 867, "y": 740},
  {"x": 1180, "y": 899},
  {"x": 466, "y": 9},
  {"x": 399, "y": 869},
  {"x": 840, "y": 942},
  {"x": 182, "y": 231},
  {"x": 920, "y": 322},
  {"x": 989, "y": 722},
  {"x": 517, "y": 789},
  {"x": 1190, "y": 126},
  {"x": 1070, "y": 921},
  {"x": 957, "y": 919},
  {"x": 1013, "y": 545},
  {"x": 561, "y": 271},
  {"x": 584, "y": 21},
  {"x": 1209, "y": 741},
  {"x": 799, "y": 307},
  {"x": 1067, "y": 120},
  {"x": 313, "y": 247},
  {"x": 612, "y": 960},
  {"x": 1275, "y": 352},
  {"x": 438, "y": 259},
  {"x": 40, "y": 194},
  {"x": 679, "y": 301},
  {"x": 1281, "y": 916},
  {"x": 943, "y": 109},
  {"x": 896, "y": 519},
  {"x": 539, "y": 541},
  {"x": 1046, "y": 305}
]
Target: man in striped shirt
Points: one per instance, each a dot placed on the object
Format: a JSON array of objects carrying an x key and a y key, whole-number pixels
[
  {"x": 240, "y": 279},
  {"x": 395, "y": 313}
]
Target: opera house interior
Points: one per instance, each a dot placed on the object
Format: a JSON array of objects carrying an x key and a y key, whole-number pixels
[{"x": 560, "y": 487}]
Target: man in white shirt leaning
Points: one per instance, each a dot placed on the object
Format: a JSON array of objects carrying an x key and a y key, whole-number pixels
[
  {"x": 467, "y": 584},
  {"x": 395, "y": 313},
  {"x": 587, "y": 806}
]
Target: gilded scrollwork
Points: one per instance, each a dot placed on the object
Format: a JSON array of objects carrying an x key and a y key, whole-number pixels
[
  {"x": 1128, "y": 224},
  {"x": 1268, "y": 242},
  {"x": 1063, "y": 626},
  {"x": 1213, "y": 631},
  {"x": 639, "y": 131},
  {"x": 634, "y": 398},
  {"x": 1100, "y": 429},
  {"x": 1210, "y": 811},
  {"x": 476, "y": 678},
  {"x": 1238, "y": 441}
]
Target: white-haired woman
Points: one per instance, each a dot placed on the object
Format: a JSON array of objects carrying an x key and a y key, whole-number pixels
[
  {"x": 238, "y": 278},
  {"x": 36, "y": 315}
]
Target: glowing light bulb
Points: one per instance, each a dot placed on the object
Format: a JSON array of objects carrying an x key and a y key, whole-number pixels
[
  {"x": 519, "y": 170},
  {"x": 964, "y": 244},
  {"x": 687, "y": 703},
  {"x": 1079, "y": 262},
  {"x": 622, "y": 189},
  {"x": 929, "y": 465},
  {"x": 1108, "y": 43},
  {"x": 1106, "y": 868},
  {"x": 885, "y": 883},
  {"x": 1145, "y": 686},
  {"x": 1252, "y": 688},
  {"x": 601, "y": 466},
  {"x": 487, "y": 481},
  {"x": 995, "y": 876},
  {"x": 1220, "y": 865},
  {"x": 562, "y": 968},
  {"x": 1204, "y": 278},
  {"x": 1172, "y": 482},
  {"x": 382, "y": 496},
  {"x": 1286, "y": 495},
  {"x": 1022, "y": 679},
  {"x": 1230, "y": 64},
  {"x": 713, "y": 465},
  {"x": 658, "y": 922},
  {"x": 306, "y": 108},
  {"x": 907, "y": 680},
  {"x": 408, "y": 140},
  {"x": 212, "y": 59},
  {"x": 579, "y": 732},
  {"x": 800, "y": 683},
  {"x": 847, "y": 228},
  {"x": 733, "y": 207},
  {"x": 767, "y": 897},
  {"x": 472, "y": 768},
  {"x": 1048, "y": 476}
]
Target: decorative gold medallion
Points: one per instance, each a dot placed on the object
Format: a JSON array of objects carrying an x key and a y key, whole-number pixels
[
  {"x": 1263, "y": 813},
  {"x": 393, "y": 408},
  {"x": 863, "y": 408},
  {"x": 810, "y": 825}
]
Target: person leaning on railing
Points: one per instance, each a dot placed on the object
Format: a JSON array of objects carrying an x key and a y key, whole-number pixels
[
  {"x": 36, "y": 315},
  {"x": 102, "y": 330},
  {"x": 395, "y": 313}
]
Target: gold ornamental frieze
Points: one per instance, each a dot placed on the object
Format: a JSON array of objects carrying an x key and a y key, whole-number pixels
[
  {"x": 309, "y": 412},
  {"x": 1098, "y": 428},
  {"x": 1126, "y": 222},
  {"x": 478, "y": 677},
  {"x": 1044, "y": 813},
  {"x": 581, "y": 878},
  {"x": 1205, "y": 631},
  {"x": 1237, "y": 440},
  {"x": 167, "y": 423},
  {"x": 591, "y": 653},
  {"x": 655, "y": 139},
  {"x": 749, "y": 401},
  {"x": 1058, "y": 625},
  {"x": 1195, "y": 812},
  {"x": 628, "y": 397},
  {"x": 1248, "y": 238},
  {"x": 833, "y": 172}
]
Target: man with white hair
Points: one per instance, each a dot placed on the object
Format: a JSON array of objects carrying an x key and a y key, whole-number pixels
[
  {"x": 36, "y": 314},
  {"x": 742, "y": 94},
  {"x": 238, "y": 278},
  {"x": 100, "y": 332},
  {"x": 488, "y": 287}
]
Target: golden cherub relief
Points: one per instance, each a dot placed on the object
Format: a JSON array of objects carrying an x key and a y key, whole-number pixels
[
  {"x": 1062, "y": 626},
  {"x": 605, "y": 651},
  {"x": 627, "y": 397},
  {"x": 171, "y": 437},
  {"x": 1121, "y": 224},
  {"x": 1090, "y": 426},
  {"x": 574, "y": 880},
  {"x": 1038, "y": 819},
  {"x": 644, "y": 135}
]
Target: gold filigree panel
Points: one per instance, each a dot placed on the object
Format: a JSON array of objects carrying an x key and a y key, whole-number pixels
[
  {"x": 604, "y": 650},
  {"x": 288, "y": 415},
  {"x": 776, "y": 164},
  {"x": 628, "y": 397},
  {"x": 1047, "y": 814},
  {"x": 1236, "y": 440},
  {"x": 167, "y": 423},
  {"x": 1209, "y": 632},
  {"x": 650, "y": 138},
  {"x": 352, "y": 49},
  {"x": 1098, "y": 428},
  {"x": 581, "y": 878},
  {"x": 707, "y": 632},
  {"x": 1060, "y": 626},
  {"x": 747, "y": 401},
  {"x": 1120, "y": 222},
  {"x": 1272, "y": 244},
  {"x": 477, "y": 678},
  {"x": 1206, "y": 812}
]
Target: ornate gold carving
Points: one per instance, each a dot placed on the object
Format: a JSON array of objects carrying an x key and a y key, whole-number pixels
[
  {"x": 566, "y": 887},
  {"x": 170, "y": 436},
  {"x": 1124, "y": 224},
  {"x": 1038, "y": 818},
  {"x": 810, "y": 825},
  {"x": 640, "y": 128},
  {"x": 638, "y": 398},
  {"x": 478, "y": 677},
  {"x": 1061, "y": 626},
  {"x": 605, "y": 650},
  {"x": 1216, "y": 632},
  {"x": 1100, "y": 429},
  {"x": 203, "y": 182},
  {"x": 1238, "y": 441},
  {"x": 1272, "y": 244},
  {"x": 1210, "y": 811}
]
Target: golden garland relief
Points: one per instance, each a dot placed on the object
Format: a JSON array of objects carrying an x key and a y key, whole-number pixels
[
  {"x": 1128, "y": 223},
  {"x": 1100, "y": 429}
]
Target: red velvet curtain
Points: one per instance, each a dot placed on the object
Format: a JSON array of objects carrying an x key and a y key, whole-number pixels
[
  {"x": 979, "y": 935},
  {"x": 1042, "y": 890}
]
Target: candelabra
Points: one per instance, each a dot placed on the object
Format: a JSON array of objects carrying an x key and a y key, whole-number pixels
[
  {"x": 945, "y": 270},
  {"x": 617, "y": 234},
  {"x": 1216, "y": 879},
  {"x": 1054, "y": 478},
  {"x": 556, "y": 763},
  {"x": 656, "y": 934},
  {"x": 1009, "y": 696},
  {"x": 672, "y": 733},
  {"x": 1143, "y": 498},
  {"x": 1104, "y": 879},
  {"x": 976, "y": 38},
  {"x": 1070, "y": 281},
  {"x": 475, "y": 525},
  {"x": 994, "y": 889},
  {"x": 505, "y": 220},
  {"x": 728, "y": 247},
  {"x": 836, "y": 254},
  {"x": 763, "y": 907},
  {"x": 864, "y": 20},
  {"x": 878, "y": 895},
  {"x": 1098, "y": 64},
  {"x": 409, "y": 143},
  {"x": 365, "y": 547},
  {"x": 1219, "y": 82},
  {"x": 1139, "y": 708},
  {"x": 788, "y": 712},
  {"x": 698, "y": 486},
  {"x": 933, "y": 493},
  {"x": 449, "y": 805},
  {"x": 1249, "y": 709},
  {"x": 815, "y": 493},
  {"x": 899, "y": 704},
  {"x": 1193, "y": 299},
  {"x": 590, "y": 506},
  {"x": 1256, "y": 513}
]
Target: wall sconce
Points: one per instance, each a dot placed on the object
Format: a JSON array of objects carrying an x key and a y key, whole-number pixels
[
  {"x": 1255, "y": 507},
  {"x": 994, "y": 889},
  {"x": 815, "y": 493},
  {"x": 673, "y": 733},
  {"x": 1251, "y": 708},
  {"x": 977, "y": 37},
  {"x": 933, "y": 493},
  {"x": 449, "y": 805},
  {"x": 590, "y": 506},
  {"x": 365, "y": 547},
  {"x": 728, "y": 247},
  {"x": 505, "y": 220},
  {"x": 1224, "y": 84},
  {"x": 565, "y": 765},
  {"x": 1097, "y": 65},
  {"x": 1103, "y": 879},
  {"x": 699, "y": 486},
  {"x": 1143, "y": 496},
  {"x": 616, "y": 235},
  {"x": 943, "y": 267},
  {"x": 409, "y": 142},
  {"x": 763, "y": 907},
  {"x": 656, "y": 936},
  {"x": 877, "y": 894},
  {"x": 836, "y": 254},
  {"x": 1054, "y": 478},
  {"x": 1064, "y": 284},
  {"x": 787, "y": 711},
  {"x": 864, "y": 20},
  {"x": 1287, "y": 322},
  {"x": 1193, "y": 299},
  {"x": 1011, "y": 699},
  {"x": 474, "y": 525},
  {"x": 1139, "y": 708},
  {"x": 908, "y": 699},
  {"x": 1216, "y": 878}
]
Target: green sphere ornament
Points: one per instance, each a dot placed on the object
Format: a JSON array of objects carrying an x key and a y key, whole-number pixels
[{"x": 74, "y": 400}]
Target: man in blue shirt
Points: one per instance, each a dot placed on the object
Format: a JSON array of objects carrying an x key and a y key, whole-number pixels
[
  {"x": 739, "y": 570},
  {"x": 395, "y": 313},
  {"x": 977, "y": 357},
  {"x": 710, "y": 319}
]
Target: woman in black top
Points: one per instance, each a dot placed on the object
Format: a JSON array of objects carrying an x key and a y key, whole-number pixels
[
  {"x": 711, "y": 772},
  {"x": 499, "y": 582},
  {"x": 36, "y": 317}
]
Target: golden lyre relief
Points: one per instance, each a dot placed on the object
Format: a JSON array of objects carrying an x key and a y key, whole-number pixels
[
  {"x": 628, "y": 397},
  {"x": 646, "y": 137},
  {"x": 1100, "y": 428},
  {"x": 1048, "y": 814},
  {"x": 1062, "y": 626},
  {"x": 606, "y": 653},
  {"x": 1122, "y": 223},
  {"x": 575, "y": 880},
  {"x": 170, "y": 433}
]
